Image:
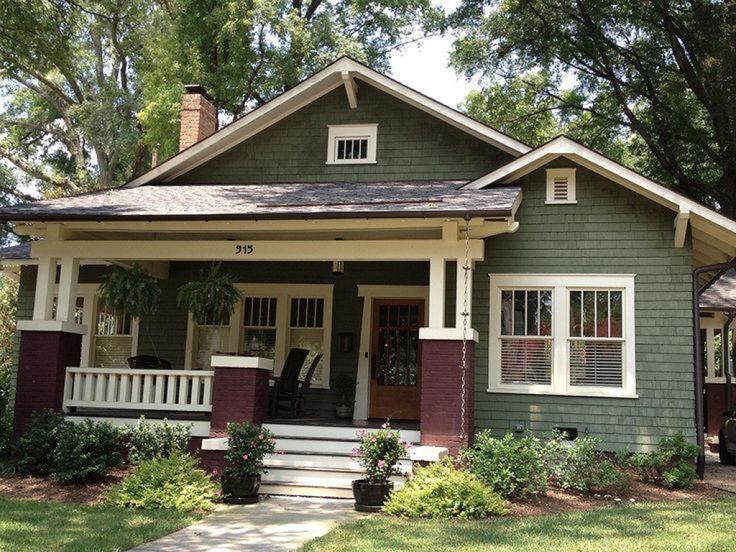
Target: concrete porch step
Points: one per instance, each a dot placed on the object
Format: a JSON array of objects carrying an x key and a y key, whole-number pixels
[
  {"x": 332, "y": 432},
  {"x": 331, "y": 478},
  {"x": 306, "y": 460},
  {"x": 296, "y": 489}
]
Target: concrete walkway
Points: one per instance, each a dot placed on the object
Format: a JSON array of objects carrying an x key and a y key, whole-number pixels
[
  {"x": 719, "y": 476},
  {"x": 274, "y": 524}
]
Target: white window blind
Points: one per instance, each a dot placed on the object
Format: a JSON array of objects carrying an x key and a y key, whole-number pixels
[{"x": 259, "y": 324}]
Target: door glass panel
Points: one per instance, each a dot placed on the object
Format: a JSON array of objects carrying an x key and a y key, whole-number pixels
[{"x": 397, "y": 346}]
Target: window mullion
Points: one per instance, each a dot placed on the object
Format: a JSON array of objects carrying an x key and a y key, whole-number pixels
[{"x": 559, "y": 339}]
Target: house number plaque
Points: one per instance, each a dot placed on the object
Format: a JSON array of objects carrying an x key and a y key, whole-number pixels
[{"x": 245, "y": 249}]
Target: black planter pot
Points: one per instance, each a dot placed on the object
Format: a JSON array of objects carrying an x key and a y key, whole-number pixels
[
  {"x": 370, "y": 497},
  {"x": 240, "y": 490}
]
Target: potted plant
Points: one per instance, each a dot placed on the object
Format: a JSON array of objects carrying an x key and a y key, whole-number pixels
[
  {"x": 246, "y": 448},
  {"x": 378, "y": 453},
  {"x": 212, "y": 298},
  {"x": 130, "y": 291},
  {"x": 345, "y": 387}
]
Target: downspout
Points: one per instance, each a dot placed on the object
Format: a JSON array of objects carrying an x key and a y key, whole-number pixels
[
  {"x": 726, "y": 359},
  {"x": 699, "y": 373}
]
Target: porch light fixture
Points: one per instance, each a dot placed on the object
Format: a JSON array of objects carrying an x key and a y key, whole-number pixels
[{"x": 338, "y": 267}]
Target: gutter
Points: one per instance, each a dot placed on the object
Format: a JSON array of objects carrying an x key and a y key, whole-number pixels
[{"x": 699, "y": 371}]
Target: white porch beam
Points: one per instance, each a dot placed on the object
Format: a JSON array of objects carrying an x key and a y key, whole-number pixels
[
  {"x": 437, "y": 292},
  {"x": 682, "y": 220},
  {"x": 460, "y": 292},
  {"x": 243, "y": 250},
  {"x": 351, "y": 88},
  {"x": 68, "y": 280},
  {"x": 45, "y": 283}
]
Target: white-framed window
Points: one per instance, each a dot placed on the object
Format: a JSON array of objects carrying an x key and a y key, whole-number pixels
[
  {"x": 351, "y": 144},
  {"x": 561, "y": 186},
  {"x": 711, "y": 336},
  {"x": 568, "y": 334},
  {"x": 273, "y": 318}
]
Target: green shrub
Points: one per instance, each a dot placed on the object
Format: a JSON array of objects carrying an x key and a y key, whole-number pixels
[
  {"x": 247, "y": 446},
  {"x": 85, "y": 450},
  {"x": 173, "y": 482},
  {"x": 148, "y": 440},
  {"x": 35, "y": 449},
  {"x": 670, "y": 465},
  {"x": 511, "y": 466},
  {"x": 379, "y": 452},
  {"x": 440, "y": 490},
  {"x": 582, "y": 467}
]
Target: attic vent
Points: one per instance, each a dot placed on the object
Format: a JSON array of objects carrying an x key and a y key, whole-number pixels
[
  {"x": 351, "y": 144},
  {"x": 560, "y": 186}
]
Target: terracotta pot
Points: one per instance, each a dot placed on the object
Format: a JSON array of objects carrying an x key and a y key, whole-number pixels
[
  {"x": 240, "y": 490},
  {"x": 370, "y": 497}
]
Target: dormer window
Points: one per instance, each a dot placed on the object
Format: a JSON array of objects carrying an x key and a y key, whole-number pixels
[
  {"x": 561, "y": 186},
  {"x": 351, "y": 144}
]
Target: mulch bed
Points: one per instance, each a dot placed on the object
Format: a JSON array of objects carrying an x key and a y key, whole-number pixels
[
  {"x": 556, "y": 501},
  {"x": 44, "y": 488}
]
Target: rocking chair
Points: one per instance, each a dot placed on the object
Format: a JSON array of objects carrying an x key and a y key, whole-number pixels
[{"x": 286, "y": 384}]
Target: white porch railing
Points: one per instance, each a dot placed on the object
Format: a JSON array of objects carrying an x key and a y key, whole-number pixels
[{"x": 179, "y": 390}]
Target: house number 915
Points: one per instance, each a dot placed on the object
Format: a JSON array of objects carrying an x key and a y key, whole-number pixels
[{"x": 243, "y": 249}]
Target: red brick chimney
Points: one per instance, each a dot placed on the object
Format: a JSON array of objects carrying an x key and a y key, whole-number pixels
[{"x": 198, "y": 116}]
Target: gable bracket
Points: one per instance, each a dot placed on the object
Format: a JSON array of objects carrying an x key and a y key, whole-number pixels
[
  {"x": 682, "y": 220},
  {"x": 351, "y": 89}
]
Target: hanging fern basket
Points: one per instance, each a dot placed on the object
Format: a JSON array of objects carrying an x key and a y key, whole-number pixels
[
  {"x": 212, "y": 298},
  {"x": 130, "y": 291}
]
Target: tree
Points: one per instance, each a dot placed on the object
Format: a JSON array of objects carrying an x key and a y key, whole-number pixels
[
  {"x": 653, "y": 80},
  {"x": 8, "y": 308},
  {"x": 68, "y": 72},
  {"x": 245, "y": 52}
]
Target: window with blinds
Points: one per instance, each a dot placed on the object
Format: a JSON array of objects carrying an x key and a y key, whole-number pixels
[
  {"x": 306, "y": 329},
  {"x": 526, "y": 336},
  {"x": 259, "y": 321},
  {"x": 112, "y": 340},
  {"x": 596, "y": 338}
]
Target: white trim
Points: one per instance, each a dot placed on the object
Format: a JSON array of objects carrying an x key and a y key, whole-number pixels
[
  {"x": 197, "y": 428},
  {"x": 351, "y": 89},
  {"x": 710, "y": 325},
  {"x": 447, "y": 334},
  {"x": 367, "y": 131},
  {"x": 701, "y": 216},
  {"x": 51, "y": 326},
  {"x": 240, "y": 361},
  {"x": 369, "y": 293},
  {"x": 552, "y": 175},
  {"x": 560, "y": 284},
  {"x": 306, "y": 92}
]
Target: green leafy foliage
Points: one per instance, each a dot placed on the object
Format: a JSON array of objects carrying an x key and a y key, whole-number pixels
[
  {"x": 671, "y": 464},
  {"x": 248, "y": 444},
  {"x": 130, "y": 291},
  {"x": 147, "y": 440},
  {"x": 582, "y": 467},
  {"x": 212, "y": 298},
  {"x": 174, "y": 482},
  {"x": 441, "y": 490},
  {"x": 86, "y": 450},
  {"x": 8, "y": 308},
  {"x": 379, "y": 452},
  {"x": 511, "y": 466},
  {"x": 345, "y": 389},
  {"x": 35, "y": 448}
]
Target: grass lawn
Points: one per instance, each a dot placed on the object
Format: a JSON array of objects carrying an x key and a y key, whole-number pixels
[
  {"x": 49, "y": 526},
  {"x": 696, "y": 525}
]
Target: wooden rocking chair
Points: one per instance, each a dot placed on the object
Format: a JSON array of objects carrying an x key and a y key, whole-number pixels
[{"x": 286, "y": 384}]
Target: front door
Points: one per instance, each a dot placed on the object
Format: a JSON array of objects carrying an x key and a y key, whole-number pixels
[{"x": 396, "y": 373}]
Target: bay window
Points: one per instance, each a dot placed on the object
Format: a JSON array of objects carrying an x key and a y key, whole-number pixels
[{"x": 562, "y": 334}]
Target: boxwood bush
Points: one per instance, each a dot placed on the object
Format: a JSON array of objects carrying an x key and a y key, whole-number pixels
[
  {"x": 34, "y": 451},
  {"x": 441, "y": 490},
  {"x": 670, "y": 465},
  {"x": 86, "y": 450},
  {"x": 147, "y": 440},
  {"x": 173, "y": 482},
  {"x": 582, "y": 467},
  {"x": 511, "y": 466}
]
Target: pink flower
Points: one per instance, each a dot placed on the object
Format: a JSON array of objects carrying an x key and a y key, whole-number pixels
[
  {"x": 273, "y": 440},
  {"x": 384, "y": 425},
  {"x": 245, "y": 457},
  {"x": 281, "y": 452},
  {"x": 355, "y": 450},
  {"x": 390, "y": 434},
  {"x": 373, "y": 439},
  {"x": 361, "y": 433},
  {"x": 214, "y": 471},
  {"x": 408, "y": 444},
  {"x": 381, "y": 464},
  {"x": 261, "y": 436}
]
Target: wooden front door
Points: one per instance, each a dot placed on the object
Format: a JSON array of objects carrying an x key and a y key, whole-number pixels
[{"x": 396, "y": 373}]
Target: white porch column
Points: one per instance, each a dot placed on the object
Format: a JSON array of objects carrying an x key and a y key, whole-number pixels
[
  {"x": 460, "y": 293},
  {"x": 436, "y": 293},
  {"x": 67, "y": 299},
  {"x": 45, "y": 282}
]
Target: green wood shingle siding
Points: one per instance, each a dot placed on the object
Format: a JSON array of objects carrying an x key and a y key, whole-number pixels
[
  {"x": 610, "y": 230},
  {"x": 412, "y": 145}
]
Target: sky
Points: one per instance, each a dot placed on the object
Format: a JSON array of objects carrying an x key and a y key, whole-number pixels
[{"x": 424, "y": 66}]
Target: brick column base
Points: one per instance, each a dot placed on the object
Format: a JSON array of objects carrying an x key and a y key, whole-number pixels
[
  {"x": 238, "y": 394},
  {"x": 42, "y": 362},
  {"x": 442, "y": 392}
]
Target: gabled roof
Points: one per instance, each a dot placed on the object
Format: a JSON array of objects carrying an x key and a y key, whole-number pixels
[
  {"x": 721, "y": 294},
  {"x": 714, "y": 235},
  {"x": 275, "y": 201},
  {"x": 333, "y": 76}
]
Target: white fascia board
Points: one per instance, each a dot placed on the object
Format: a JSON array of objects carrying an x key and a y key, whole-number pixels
[
  {"x": 321, "y": 83},
  {"x": 610, "y": 169}
]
